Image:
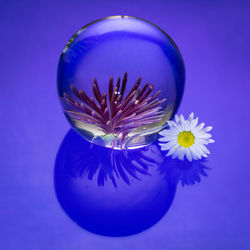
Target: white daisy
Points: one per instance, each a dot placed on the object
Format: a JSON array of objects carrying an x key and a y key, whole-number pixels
[{"x": 186, "y": 138}]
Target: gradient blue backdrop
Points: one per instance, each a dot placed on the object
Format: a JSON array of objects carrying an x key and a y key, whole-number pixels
[{"x": 213, "y": 37}]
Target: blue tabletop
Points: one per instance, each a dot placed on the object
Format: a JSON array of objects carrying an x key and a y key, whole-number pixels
[{"x": 212, "y": 212}]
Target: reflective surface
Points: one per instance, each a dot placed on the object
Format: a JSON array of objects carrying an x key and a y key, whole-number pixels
[
  {"x": 145, "y": 90},
  {"x": 213, "y": 38},
  {"x": 118, "y": 192},
  {"x": 111, "y": 192}
]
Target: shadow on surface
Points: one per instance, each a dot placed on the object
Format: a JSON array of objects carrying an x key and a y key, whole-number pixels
[
  {"x": 114, "y": 192},
  {"x": 186, "y": 172}
]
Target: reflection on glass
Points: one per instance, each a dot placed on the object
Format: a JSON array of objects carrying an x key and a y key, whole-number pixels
[{"x": 117, "y": 192}]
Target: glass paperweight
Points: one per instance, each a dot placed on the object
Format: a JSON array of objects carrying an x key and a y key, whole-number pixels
[{"x": 120, "y": 79}]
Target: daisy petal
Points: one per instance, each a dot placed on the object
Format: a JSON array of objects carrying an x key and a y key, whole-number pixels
[
  {"x": 188, "y": 154},
  {"x": 171, "y": 144},
  {"x": 181, "y": 153},
  {"x": 202, "y": 135},
  {"x": 170, "y": 152},
  {"x": 175, "y": 154},
  {"x": 211, "y": 141},
  {"x": 195, "y": 152},
  {"x": 200, "y": 126},
  {"x": 207, "y": 129},
  {"x": 182, "y": 119},
  {"x": 191, "y": 116},
  {"x": 177, "y": 119},
  {"x": 204, "y": 149},
  {"x": 193, "y": 123},
  {"x": 168, "y": 132}
]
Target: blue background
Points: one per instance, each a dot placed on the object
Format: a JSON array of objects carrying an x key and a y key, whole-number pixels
[{"x": 214, "y": 41}]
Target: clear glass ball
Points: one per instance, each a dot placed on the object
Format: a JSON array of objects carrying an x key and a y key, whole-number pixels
[{"x": 120, "y": 79}]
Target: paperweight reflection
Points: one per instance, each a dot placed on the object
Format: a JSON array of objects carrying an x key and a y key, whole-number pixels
[{"x": 115, "y": 192}]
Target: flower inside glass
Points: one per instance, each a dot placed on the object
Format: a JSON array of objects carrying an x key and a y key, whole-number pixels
[{"x": 120, "y": 79}]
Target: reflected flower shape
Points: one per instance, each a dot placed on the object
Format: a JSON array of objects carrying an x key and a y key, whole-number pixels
[
  {"x": 117, "y": 164},
  {"x": 111, "y": 192},
  {"x": 188, "y": 173}
]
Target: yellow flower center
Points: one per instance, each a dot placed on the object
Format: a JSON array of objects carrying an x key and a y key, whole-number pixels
[{"x": 186, "y": 139}]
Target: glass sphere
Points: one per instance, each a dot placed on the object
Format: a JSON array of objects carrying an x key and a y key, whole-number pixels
[{"x": 120, "y": 79}]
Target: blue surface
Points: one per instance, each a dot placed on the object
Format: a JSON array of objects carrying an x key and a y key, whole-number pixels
[
  {"x": 214, "y": 40},
  {"x": 112, "y": 192}
]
